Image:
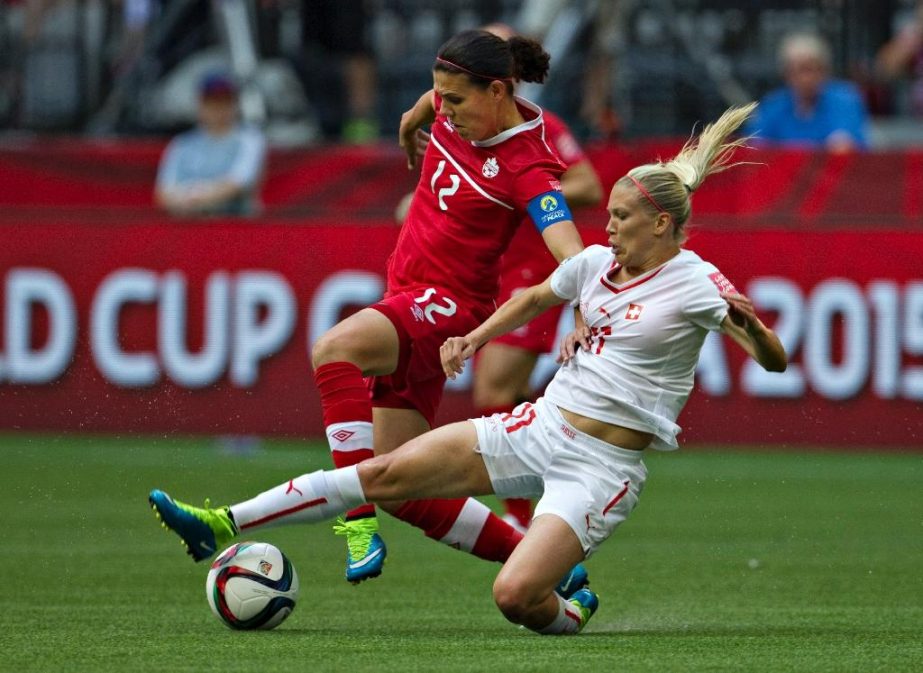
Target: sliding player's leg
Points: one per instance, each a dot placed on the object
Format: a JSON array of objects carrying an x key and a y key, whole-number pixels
[
  {"x": 433, "y": 465},
  {"x": 525, "y": 588},
  {"x": 465, "y": 524}
]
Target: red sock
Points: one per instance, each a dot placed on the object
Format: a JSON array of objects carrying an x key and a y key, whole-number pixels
[
  {"x": 465, "y": 524},
  {"x": 347, "y": 409},
  {"x": 521, "y": 508},
  {"x": 497, "y": 540}
]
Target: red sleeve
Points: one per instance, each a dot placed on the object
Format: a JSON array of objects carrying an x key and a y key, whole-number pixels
[
  {"x": 538, "y": 179},
  {"x": 563, "y": 141}
]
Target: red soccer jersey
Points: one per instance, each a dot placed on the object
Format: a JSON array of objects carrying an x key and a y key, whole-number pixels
[{"x": 471, "y": 197}]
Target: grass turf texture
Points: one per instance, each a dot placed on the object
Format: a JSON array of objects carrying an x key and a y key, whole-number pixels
[{"x": 733, "y": 561}]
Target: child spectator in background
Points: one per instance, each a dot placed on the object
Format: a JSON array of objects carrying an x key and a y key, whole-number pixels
[{"x": 216, "y": 168}]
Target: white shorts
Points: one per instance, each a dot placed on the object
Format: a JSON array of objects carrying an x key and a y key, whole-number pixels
[{"x": 534, "y": 452}]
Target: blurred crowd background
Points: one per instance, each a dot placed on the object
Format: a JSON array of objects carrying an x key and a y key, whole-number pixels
[{"x": 313, "y": 71}]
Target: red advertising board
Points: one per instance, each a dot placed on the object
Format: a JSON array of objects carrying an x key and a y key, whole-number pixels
[
  {"x": 207, "y": 328},
  {"x": 122, "y": 320}
]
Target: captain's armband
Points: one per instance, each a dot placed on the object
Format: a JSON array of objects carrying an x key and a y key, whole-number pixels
[{"x": 547, "y": 209}]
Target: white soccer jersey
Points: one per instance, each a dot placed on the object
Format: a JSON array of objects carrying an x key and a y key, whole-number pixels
[{"x": 647, "y": 334}]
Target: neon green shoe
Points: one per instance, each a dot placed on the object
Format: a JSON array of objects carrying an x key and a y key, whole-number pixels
[
  {"x": 202, "y": 530},
  {"x": 365, "y": 550},
  {"x": 586, "y": 603}
]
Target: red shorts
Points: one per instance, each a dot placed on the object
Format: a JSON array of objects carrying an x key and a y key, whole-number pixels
[
  {"x": 424, "y": 318},
  {"x": 522, "y": 271}
]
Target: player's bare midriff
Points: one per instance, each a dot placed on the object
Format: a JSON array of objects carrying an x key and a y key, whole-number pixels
[{"x": 625, "y": 438}]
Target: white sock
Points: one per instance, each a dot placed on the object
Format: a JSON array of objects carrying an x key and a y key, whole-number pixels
[
  {"x": 569, "y": 619},
  {"x": 467, "y": 528},
  {"x": 306, "y": 499}
]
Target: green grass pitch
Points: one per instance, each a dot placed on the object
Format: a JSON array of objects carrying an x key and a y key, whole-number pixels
[{"x": 734, "y": 561}]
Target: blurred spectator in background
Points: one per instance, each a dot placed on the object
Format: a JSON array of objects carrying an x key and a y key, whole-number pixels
[
  {"x": 597, "y": 101},
  {"x": 583, "y": 37},
  {"x": 812, "y": 109},
  {"x": 216, "y": 168},
  {"x": 137, "y": 16},
  {"x": 339, "y": 66},
  {"x": 900, "y": 60}
]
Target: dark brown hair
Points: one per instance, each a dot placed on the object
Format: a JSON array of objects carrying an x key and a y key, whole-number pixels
[{"x": 484, "y": 57}]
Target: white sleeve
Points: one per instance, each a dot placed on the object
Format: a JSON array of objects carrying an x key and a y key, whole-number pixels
[
  {"x": 568, "y": 279},
  {"x": 703, "y": 304},
  {"x": 248, "y": 164}
]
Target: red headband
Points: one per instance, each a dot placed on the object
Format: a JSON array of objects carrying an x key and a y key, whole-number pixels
[
  {"x": 646, "y": 194},
  {"x": 472, "y": 73}
]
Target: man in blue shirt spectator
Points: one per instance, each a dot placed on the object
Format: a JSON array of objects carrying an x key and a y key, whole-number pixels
[
  {"x": 812, "y": 110},
  {"x": 216, "y": 168}
]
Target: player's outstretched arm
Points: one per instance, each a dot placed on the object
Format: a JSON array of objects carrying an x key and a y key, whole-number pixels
[
  {"x": 514, "y": 313},
  {"x": 422, "y": 112},
  {"x": 744, "y": 326}
]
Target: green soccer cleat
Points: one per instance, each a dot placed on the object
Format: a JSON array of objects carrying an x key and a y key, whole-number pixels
[
  {"x": 586, "y": 603},
  {"x": 202, "y": 530},
  {"x": 365, "y": 550}
]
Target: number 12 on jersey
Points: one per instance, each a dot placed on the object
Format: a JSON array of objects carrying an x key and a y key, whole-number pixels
[
  {"x": 444, "y": 191},
  {"x": 447, "y": 307}
]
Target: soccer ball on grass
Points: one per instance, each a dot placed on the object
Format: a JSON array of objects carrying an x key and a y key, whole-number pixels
[{"x": 252, "y": 585}]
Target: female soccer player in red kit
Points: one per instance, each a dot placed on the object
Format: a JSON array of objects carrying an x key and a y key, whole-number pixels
[
  {"x": 486, "y": 167},
  {"x": 505, "y": 365}
]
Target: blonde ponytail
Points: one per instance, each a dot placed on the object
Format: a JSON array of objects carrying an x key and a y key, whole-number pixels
[{"x": 671, "y": 183}]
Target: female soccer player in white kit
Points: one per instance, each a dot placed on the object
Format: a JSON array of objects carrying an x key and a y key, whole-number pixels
[{"x": 648, "y": 305}]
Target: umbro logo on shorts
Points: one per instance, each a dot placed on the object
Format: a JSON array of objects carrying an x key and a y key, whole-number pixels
[{"x": 342, "y": 435}]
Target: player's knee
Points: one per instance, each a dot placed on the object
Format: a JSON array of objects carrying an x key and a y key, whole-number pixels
[
  {"x": 515, "y": 598},
  {"x": 323, "y": 351},
  {"x": 378, "y": 477},
  {"x": 334, "y": 346}
]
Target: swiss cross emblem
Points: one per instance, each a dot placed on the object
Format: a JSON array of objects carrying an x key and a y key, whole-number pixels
[
  {"x": 634, "y": 311},
  {"x": 342, "y": 435},
  {"x": 490, "y": 168}
]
